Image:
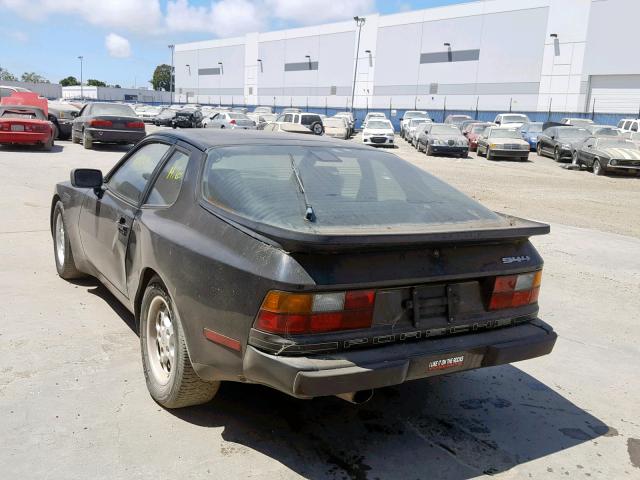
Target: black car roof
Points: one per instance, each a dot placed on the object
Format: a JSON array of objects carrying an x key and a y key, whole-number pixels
[{"x": 206, "y": 138}]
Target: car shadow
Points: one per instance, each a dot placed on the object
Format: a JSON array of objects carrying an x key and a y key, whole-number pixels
[
  {"x": 453, "y": 427},
  {"x": 31, "y": 149}
]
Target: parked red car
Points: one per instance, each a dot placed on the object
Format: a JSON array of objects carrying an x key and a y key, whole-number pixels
[
  {"x": 23, "y": 121},
  {"x": 22, "y": 125},
  {"x": 473, "y": 131}
]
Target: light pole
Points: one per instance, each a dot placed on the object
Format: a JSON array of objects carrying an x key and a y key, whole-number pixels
[
  {"x": 359, "y": 23},
  {"x": 172, "y": 48},
  {"x": 81, "y": 58}
]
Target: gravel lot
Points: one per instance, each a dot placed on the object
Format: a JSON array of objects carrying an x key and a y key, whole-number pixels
[{"x": 73, "y": 402}]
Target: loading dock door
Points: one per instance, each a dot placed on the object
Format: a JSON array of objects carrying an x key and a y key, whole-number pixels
[{"x": 614, "y": 93}]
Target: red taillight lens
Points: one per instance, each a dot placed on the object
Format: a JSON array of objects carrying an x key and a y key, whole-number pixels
[
  {"x": 36, "y": 128},
  {"x": 300, "y": 313},
  {"x": 135, "y": 124},
  {"x": 101, "y": 123},
  {"x": 515, "y": 290},
  {"x": 5, "y": 127},
  {"x": 232, "y": 122}
]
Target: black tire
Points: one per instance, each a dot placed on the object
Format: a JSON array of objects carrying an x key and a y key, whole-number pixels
[
  {"x": 48, "y": 146},
  {"x": 575, "y": 160},
  {"x": 87, "y": 142},
  {"x": 65, "y": 264},
  {"x": 428, "y": 150},
  {"x": 556, "y": 155},
  {"x": 525, "y": 159},
  {"x": 183, "y": 387},
  {"x": 539, "y": 150},
  {"x": 317, "y": 128},
  {"x": 488, "y": 154},
  {"x": 56, "y": 131},
  {"x": 74, "y": 139},
  {"x": 597, "y": 168}
]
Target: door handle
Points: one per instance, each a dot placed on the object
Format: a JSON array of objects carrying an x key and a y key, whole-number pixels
[{"x": 123, "y": 228}]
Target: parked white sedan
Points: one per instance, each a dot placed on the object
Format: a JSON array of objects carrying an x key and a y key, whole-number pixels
[
  {"x": 336, "y": 127},
  {"x": 379, "y": 133}
]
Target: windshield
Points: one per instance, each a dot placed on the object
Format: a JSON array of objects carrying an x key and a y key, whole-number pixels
[
  {"x": 573, "y": 133},
  {"x": 606, "y": 132},
  {"x": 580, "y": 121},
  {"x": 417, "y": 121},
  {"x": 499, "y": 133},
  {"x": 514, "y": 119},
  {"x": 479, "y": 128},
  {"x": 378, "y": 124},
  {"x": 410, "y": 115},
  {"x": 112, "y": 109},
  {"x": 534, "y": 128},
  {"x": 347, "y": 189},
  {"x": 444, "y": 130},
  {"x": 333, "y": 122}
]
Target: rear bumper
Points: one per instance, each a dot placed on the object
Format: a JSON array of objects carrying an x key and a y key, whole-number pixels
[
  {"x": 114, "y": 136},
  {"x": 307, "y": 377},
  {"x": 23, "y": 138}
]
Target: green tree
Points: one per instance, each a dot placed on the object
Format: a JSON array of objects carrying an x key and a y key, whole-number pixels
[
  {"x": 162, "y": 77},
  {"x": 7, "y": 75},
  {"x": 70, "y": 81},
  {"x": 96, "y": 83},
  {"x": 33, "y": 77}
]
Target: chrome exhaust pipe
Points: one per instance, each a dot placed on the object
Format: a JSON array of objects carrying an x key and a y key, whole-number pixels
[{"x": 358, "y": 398}]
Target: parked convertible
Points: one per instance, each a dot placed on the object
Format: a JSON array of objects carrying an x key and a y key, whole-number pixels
[
  {"x": 306, "y": 264},
  {"x": 606, "y": 154},
  {"x": 107, "y": 123}
]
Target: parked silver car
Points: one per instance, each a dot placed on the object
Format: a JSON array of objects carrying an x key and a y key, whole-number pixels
[
  {"x": 350, "y": 120},
  {"x": 408, "y": 115},
  {"x": 232, "y": 120},
  {"x": 412, "y": 127}
]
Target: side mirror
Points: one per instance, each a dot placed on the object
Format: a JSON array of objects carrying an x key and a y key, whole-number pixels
[
  {"x": 86, "y": 178},
  {"x": 400, "y": 119},
  {"x": 497, "y": 122},
  {"x": 553, "y": 137}
]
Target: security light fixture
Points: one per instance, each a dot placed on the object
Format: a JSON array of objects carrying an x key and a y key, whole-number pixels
[
  {"x": 554, "y": 35},
  {"x": 447, "y": 44},
  {"x": 359, "y": 23}
]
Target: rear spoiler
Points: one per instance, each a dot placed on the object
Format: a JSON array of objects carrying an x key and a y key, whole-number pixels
[{"x": 514, "y": 229}]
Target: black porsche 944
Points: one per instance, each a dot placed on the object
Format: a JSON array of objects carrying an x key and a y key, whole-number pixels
[{"x": 306, "y": 264}]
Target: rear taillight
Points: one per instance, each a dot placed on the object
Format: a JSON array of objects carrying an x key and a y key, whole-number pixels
[
  {"x": 515, "y": 290},
  {"x": 232, "y": 122},
  {"x": 36, "y": 128},
  {"x": 300, "y": 313},
  {"x": 5, "y": 127},
  {"x": 101, "y": 123},
  {"x": 135, "y": 124}
]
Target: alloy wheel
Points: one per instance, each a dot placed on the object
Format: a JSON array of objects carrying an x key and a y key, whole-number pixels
[
  {"x": 161, "y": 340},
  {"x": 59, "y": 229}
]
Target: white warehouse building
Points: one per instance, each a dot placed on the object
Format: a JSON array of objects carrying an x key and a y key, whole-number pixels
[{"x": 523, "y": 55}]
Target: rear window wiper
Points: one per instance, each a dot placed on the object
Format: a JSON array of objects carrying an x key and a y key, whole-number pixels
[{"x": 309, "y": 214}]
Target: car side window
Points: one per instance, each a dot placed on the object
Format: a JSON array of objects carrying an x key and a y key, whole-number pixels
[
  {"x": 626, "y": 125},
  {"x": 130, "y": 180},
  {"x": 167, "y": 186},
  {"x": 288, "y": 117},
  {"x": 634, "y": 127}
]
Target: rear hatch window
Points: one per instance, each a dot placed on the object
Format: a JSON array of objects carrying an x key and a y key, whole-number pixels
[
  {"x": 112, "y": 109},
  {"x": 350, "y": 191}
]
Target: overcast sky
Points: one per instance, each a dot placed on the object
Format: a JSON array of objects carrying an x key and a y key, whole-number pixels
[{"x": 123, "y": 40}]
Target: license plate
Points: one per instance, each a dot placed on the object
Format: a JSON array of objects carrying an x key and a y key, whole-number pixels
[
  {"x": 17, "y": 128},
  {"x": 446, "y": 363}
]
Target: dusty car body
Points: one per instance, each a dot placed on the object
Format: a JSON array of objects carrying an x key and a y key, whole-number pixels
[
  {"x": 457, "y": 120},
  {"x": 165, "y": 117},
  {"x": 408, "y": 115},
  {"x": 298, "y": 262},
  {"x": 511, "y": 120},
  {"x": 608, "y": 154},
  {"x": 107, "y": 123},
  {"x": 412, "y": 127},
  {"x": 442, "y": 139},
  {"x": 378, "y": 132},
  {"x": 473, "y": 131},
  {"x": 25, "y": 125},
  {"x": 336, "y": 127},
  {"x": 188, "y": 118},
  {"x": 561, "y": 142},
  {"x": 496, "y": 142},
  {"x": 62, "y": 115}
]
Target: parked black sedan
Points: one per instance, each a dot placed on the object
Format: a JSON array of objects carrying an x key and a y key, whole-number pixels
[
  {"x": 298, "y": 262},
  {"x": 560, "y": 142},
  {"x": 107, "y": 123},
  {"x": 187, "y": 118},
  {"x": 442, "y": 139},
  {"x": 165, "y": 117},
  {"x": 608, "y": 154}
]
